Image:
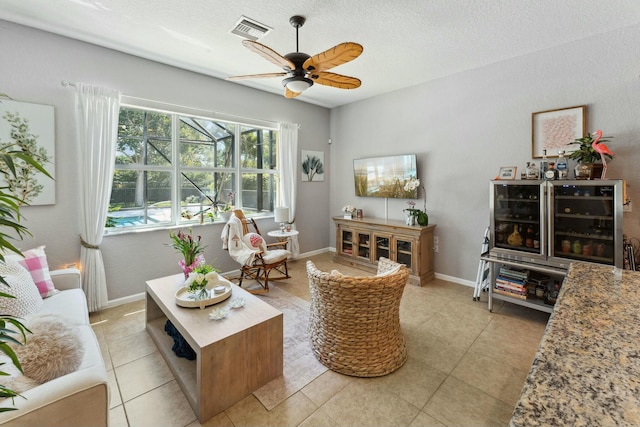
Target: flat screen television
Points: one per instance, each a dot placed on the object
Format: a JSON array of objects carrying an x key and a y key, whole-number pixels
[{"x": 385, "y": 176}]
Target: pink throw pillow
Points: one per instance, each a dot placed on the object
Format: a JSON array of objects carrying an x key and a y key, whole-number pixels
[{"x": 35, "y": 261}]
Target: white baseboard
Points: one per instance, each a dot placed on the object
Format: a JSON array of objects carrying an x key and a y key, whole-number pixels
[
  {"x": 125, "y": 300},
  {"x": 141, "y": 296},
  {"x": 456, "y": 280}
]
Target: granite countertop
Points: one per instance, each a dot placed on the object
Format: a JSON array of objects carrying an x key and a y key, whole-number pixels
[{"x": 587, "y": 368}]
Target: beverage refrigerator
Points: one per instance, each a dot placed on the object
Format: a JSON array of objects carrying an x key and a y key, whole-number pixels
[{"x": 553, "y": 223}]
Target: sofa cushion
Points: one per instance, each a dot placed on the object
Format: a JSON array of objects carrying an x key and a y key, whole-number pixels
[
  {"x": 53, "y": 349},
  {"x": 27, "y": 298},
  {"x": 70, "y": 304},
  {"x": 35, "y": 261}
]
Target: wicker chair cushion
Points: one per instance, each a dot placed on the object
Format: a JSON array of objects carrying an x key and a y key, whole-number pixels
[
  {"x": 354, "y": 324},
  {"x": 275, "y": 255}
]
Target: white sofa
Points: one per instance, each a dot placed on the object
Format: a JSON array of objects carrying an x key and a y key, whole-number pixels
[{"x": 77, "y": 399}]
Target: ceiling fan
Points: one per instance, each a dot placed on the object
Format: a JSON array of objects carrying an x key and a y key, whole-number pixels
[{"x": 302, "y": 70}]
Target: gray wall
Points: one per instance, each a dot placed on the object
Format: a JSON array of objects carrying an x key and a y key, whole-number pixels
[
  {"x": 465, "y": 127},
  {"x": 33, "y": 65}
]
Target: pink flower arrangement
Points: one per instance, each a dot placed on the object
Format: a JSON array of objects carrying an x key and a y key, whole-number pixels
[{"x": 191, "y": 249}]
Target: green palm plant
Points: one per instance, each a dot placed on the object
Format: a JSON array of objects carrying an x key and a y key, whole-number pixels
[
  {"x": 12, "y": 156},
  {"x": 585, "y": 152}
]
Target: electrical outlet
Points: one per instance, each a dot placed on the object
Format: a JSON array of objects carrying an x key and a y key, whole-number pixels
[
  {"x": 436, "y": 240},
  {"x": 436, "y": 248},
  {"x": 436, "y": 244},
  {"x": 626, "y": 207}
]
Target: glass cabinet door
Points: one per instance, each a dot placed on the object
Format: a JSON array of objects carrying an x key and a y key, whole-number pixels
[
  {"x": 382, "y": 247},
  {"x": 583, "y": 226},
  {"x": 364, "y": 247},
  {"x": 346, "y": 242},
  {"x": 404, "y": 252},
  {"x": 516, "y": 217}
]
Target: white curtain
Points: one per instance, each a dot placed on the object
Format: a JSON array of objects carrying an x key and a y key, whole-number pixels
[
  {"x": 97, "y": 112},
  {"x": 288, "y": 163}
]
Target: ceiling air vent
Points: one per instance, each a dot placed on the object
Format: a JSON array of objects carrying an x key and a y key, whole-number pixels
[{"x": 249, "y": 29}]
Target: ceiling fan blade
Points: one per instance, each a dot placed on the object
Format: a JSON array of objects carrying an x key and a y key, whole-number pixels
[
  {"x": 290, "y": 94},
  {"x": 337, "y": 55},
  {"x": 269, "y": 54},
  {"x": 335, "y": 80},
  {"x": 256, "y": 76}
]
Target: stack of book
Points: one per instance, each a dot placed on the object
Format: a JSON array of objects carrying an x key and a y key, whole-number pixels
[{"x": 512, "y": 282}]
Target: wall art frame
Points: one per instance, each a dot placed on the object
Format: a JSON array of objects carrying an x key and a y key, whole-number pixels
[
  {"x": 32, "y": 125},
  {"x": 312, "y": 166},
  {"x": 553, "y": 130}
]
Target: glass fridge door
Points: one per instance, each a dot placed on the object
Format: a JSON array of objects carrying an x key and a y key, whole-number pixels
[
  {"x": 517, "y": 219},
  {"x": 584, "y": 221}
]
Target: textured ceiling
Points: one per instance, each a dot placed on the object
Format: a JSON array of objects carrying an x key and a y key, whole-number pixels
[{"x": 406, "y": 42}]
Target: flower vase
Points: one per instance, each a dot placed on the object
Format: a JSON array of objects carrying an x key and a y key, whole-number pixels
[
  {"x": 201, "y": 294},
  {"x": 187, "y": 269},
  {"x": 411, "y": 220},
  {"x": 348, "y": 216}
]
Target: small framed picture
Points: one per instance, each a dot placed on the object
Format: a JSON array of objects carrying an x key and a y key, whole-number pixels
[{"x": 507, "y": 172}]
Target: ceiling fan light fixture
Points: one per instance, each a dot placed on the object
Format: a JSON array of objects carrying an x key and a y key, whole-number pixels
[{"x": 297, "y": 84}]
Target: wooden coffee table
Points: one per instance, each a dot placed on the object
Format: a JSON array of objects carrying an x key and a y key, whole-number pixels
[{"x": 234, "y": 356}]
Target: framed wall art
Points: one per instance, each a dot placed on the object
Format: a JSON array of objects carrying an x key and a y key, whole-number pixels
[
  {"x": 553, "y": 130},
  {"x": 312, "y": 166},
  {"x": 26, "y": 125}
]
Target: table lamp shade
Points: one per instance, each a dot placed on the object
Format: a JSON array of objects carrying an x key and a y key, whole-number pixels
[{"x": 281, "y": 214}]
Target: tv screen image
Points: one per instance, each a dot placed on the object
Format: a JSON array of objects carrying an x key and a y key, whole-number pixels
[{"x": 385, "y": 176}]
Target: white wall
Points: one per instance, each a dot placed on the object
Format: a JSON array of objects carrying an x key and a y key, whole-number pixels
[
  {"x": 33, "y": 65},
  {"x": 465, "y": 127}
]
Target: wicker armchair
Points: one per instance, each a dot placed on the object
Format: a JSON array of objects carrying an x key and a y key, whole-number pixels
[{"x": 354, "y": 325}]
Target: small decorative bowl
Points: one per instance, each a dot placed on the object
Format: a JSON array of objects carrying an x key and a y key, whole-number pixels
[
  {"x": 218, "y": 314},
  {"x": 219, "y": 289},
  {"x": 236, "y": 302}
]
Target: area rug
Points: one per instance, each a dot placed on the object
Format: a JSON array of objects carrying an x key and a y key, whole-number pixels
[{"x": 300, "y": 365}]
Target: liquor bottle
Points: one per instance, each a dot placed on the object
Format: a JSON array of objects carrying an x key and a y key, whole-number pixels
[
  {"x": 532, "y": 171},
  {"x": 551, "y": 173},
  {"x": 561, "y": 166},
  {"x": 544, "y": 164}
]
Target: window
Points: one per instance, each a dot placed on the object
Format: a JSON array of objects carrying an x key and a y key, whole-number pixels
[{"x": 174, "y": 169}]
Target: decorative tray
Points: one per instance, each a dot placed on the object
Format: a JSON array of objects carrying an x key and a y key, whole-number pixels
[{"x": 188, "y": 300}]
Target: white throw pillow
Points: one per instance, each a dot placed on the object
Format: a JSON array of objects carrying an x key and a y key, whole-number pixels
[
  {"x": 394, "y": 270},
  {"x": 335, "y": 274},
  {"x": 21, "y": 285}
]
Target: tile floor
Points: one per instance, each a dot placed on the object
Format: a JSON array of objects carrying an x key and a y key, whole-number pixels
[{"x": 466, "y": 366}]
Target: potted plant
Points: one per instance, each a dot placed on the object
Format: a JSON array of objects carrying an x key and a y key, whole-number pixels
[
  {"x": 416, "y": 215},
  {"x": 191, "y": 249},
  {"x": 589, "y": 160}
]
